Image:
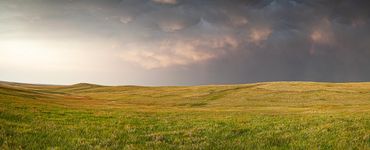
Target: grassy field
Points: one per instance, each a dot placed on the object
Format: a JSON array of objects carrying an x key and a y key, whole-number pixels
[{"x": 276, "y": 115}]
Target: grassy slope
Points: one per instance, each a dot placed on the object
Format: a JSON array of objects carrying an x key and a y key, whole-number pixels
[{"x": 279, "y": 115}]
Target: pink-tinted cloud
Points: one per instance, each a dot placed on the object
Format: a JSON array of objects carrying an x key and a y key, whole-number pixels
[
  {"x": 179, "y": 52},
  {"x": 322, "y": 33},
  {"x": 319, "y": 36},
  {"x": 166, "y": 1},
  {"x": 259, "y": 34}
]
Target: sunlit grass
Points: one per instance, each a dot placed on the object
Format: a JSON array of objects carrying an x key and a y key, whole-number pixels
[{"x": 281, "y": 115}]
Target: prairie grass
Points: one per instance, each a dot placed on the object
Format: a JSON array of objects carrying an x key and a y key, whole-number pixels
[{"x": 275, "y": 115}]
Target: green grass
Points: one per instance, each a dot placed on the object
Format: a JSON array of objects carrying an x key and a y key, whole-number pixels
[{"x": 276, "y": 115}]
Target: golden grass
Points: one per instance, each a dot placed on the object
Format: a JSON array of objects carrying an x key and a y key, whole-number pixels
[{"x": 270, "y": 115}]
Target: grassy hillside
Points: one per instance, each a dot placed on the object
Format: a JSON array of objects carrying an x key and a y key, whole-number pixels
[{"x": 277, "y": 115}]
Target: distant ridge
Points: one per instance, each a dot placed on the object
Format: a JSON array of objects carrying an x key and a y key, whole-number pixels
[{"x": 85, "y": 85}]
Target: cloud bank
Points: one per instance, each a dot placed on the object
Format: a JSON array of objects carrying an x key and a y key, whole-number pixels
[{"x": 206, "y": 41}]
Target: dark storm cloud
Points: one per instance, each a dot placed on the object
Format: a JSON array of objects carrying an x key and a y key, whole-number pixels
[
  {"x": 214, "y": 41},
  {"x": 277, "y": 40}
]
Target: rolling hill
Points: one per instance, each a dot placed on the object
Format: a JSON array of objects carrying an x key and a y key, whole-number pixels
[{"x": 270, "y": 115}]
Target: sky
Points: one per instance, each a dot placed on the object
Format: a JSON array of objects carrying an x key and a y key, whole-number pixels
[{"x": 184, "y": 42}]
